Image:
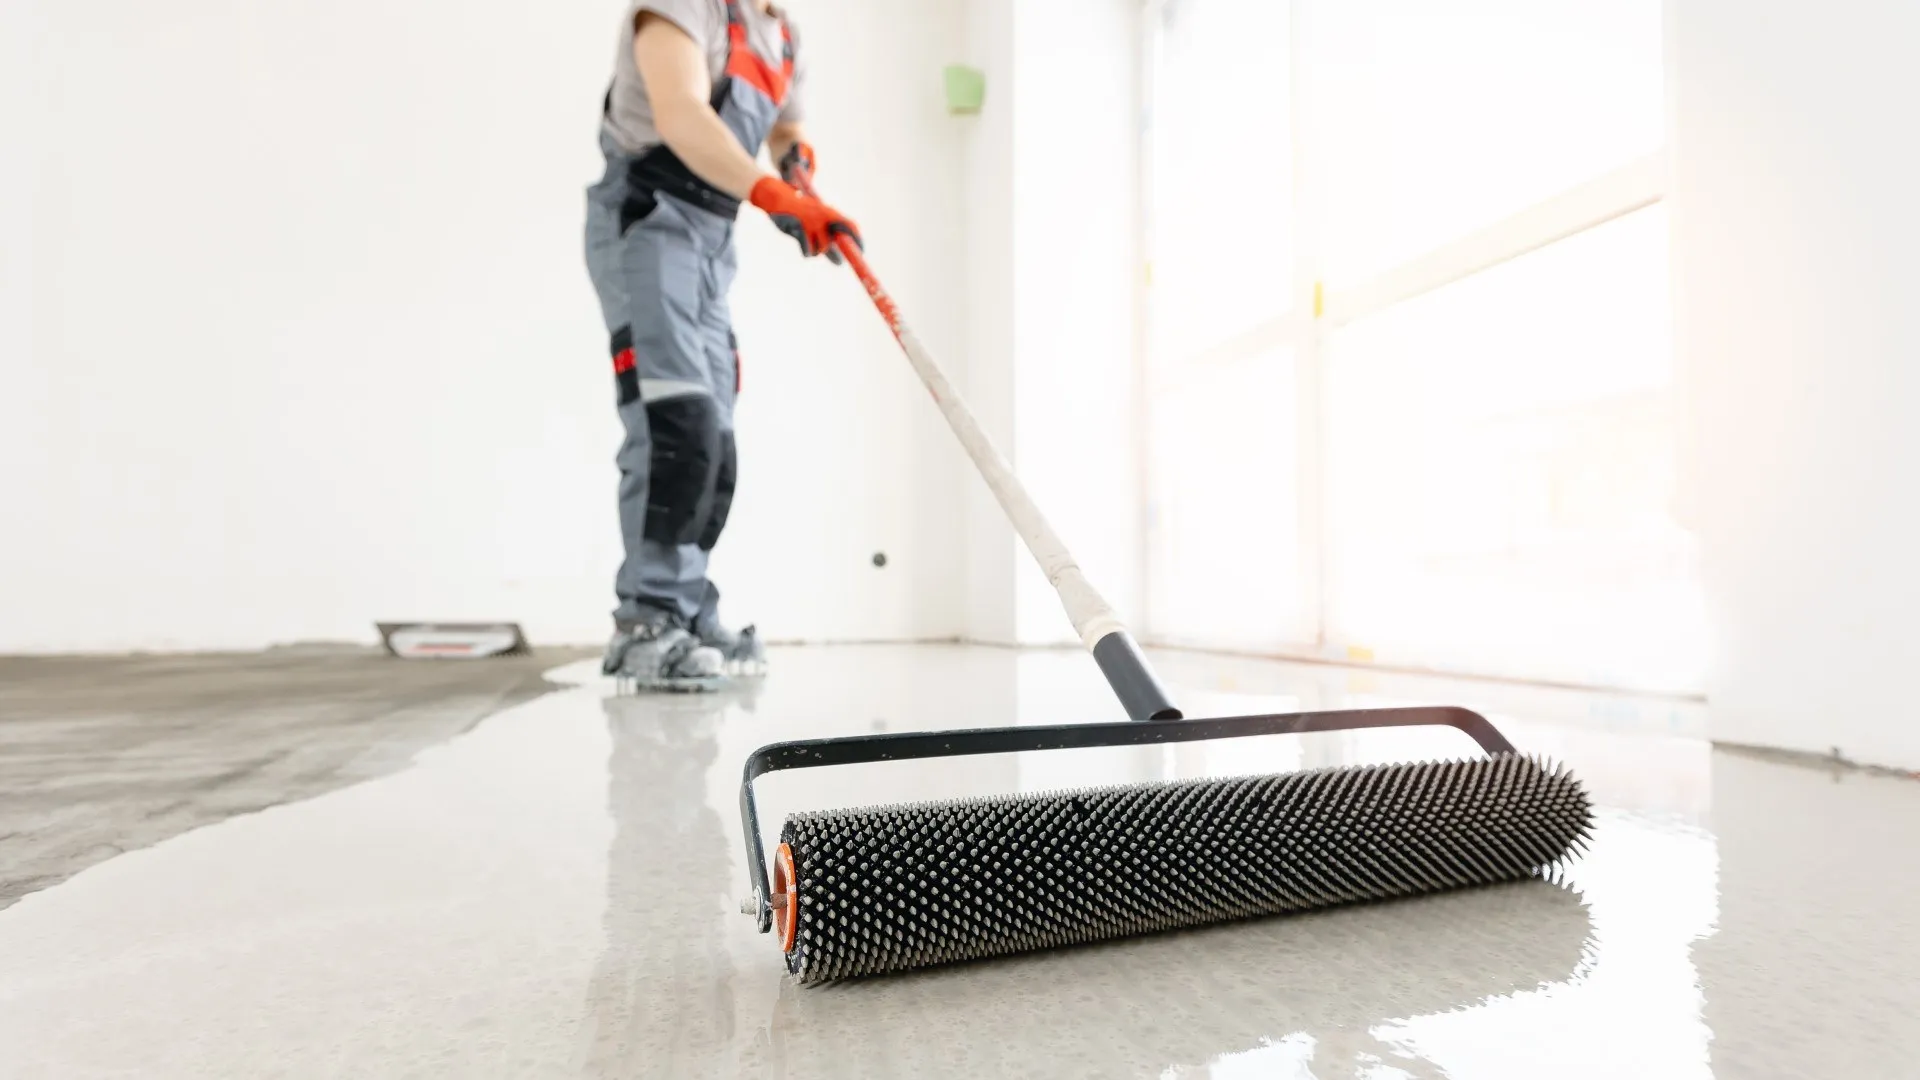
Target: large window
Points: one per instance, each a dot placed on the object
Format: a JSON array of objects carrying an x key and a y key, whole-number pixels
[
  {"x": 1223, "y": 263},
  {"x": 1222, "y": 379},
  {"x": 1433, "y": 120},
  {"x": 1409, "y": 369}
]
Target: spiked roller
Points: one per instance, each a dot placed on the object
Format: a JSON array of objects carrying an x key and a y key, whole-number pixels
[{"x": 890, "y": 888}]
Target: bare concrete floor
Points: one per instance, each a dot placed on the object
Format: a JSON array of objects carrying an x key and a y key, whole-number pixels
[
  {"x": 554, "y": 893},
  {"x": 101, "y": 755}
]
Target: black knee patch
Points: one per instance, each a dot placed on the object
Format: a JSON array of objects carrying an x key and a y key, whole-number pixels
[
  {"x": 626, "y": 371},
  {"x": 723, "y": 486},
  {"x": 685, "y": 467}
]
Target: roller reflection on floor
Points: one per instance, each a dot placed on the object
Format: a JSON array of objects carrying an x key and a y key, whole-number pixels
[
  {"x": 1140, "y": 1006},
  {"x": 672, "y": 996}
]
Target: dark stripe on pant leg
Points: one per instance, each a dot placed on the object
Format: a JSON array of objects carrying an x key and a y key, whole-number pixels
[
  {"x": 686, "y": 464},
  {"x": 626, "y": 371},
  {"x": 723, "y": 487}
]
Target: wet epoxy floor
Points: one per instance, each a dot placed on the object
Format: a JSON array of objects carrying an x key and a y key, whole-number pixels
[{"x": 556, "y": 892}]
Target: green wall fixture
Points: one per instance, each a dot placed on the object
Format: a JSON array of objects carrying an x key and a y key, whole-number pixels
[{"x": 966, "y": 89}]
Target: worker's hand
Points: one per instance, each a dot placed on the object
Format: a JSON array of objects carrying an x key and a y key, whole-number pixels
[
  {"x": 813, "y": 223},
  {"x": 798, "y": 159},
  {"x": 797, "y": 168}
]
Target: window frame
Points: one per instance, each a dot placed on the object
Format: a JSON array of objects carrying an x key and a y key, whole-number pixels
[{"x": 1317, "y": 309}]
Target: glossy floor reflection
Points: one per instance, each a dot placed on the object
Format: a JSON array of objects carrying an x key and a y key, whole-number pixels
[{"x": 556, "y": 894}]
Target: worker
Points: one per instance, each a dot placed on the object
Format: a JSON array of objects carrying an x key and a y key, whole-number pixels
[{"x": 699, "y": 86}]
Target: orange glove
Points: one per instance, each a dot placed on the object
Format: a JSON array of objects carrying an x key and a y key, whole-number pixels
[
  {"x": 798, "y": 158},
  {"x": 813, "y": 223}
]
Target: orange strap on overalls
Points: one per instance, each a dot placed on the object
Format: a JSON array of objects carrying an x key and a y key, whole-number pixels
[{"x": 744, "y": 63}]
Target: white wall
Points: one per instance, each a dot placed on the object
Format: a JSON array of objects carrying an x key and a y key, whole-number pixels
[
  {"x": 305, "y": 341},
  {"x": 1075, "y": 220},
  {"x": 987, "y": 372},
  {"x": 1795, "y": 232},
  {"x": 20, "y": 77},
  {"x": 1050, "y": 301}
]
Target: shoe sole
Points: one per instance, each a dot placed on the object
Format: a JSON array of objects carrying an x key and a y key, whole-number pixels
[{"x": 673, "y": 686}]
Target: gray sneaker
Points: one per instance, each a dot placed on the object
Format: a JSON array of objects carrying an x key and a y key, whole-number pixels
[
  {"x": 657, "y": 654},
  {"x": 745, "y": 657}
]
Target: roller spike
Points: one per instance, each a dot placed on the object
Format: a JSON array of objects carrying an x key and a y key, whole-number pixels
[{"x": 1008, "y": 874}]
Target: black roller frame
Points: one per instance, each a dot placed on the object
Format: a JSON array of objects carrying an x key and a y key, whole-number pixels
[{"x": 860, "y": 749}]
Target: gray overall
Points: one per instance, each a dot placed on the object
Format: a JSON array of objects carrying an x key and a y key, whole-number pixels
[{"x": 660, "y": 252}]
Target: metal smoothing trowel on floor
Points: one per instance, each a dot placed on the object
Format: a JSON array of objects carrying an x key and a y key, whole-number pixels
[{"x": 453, "y": 641}]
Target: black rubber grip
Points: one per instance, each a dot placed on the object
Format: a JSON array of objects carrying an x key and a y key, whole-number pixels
[{"x": 1133, "y": 682}]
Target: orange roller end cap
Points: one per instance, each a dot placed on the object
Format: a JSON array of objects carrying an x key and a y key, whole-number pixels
[{"x": 786, "y": 897}]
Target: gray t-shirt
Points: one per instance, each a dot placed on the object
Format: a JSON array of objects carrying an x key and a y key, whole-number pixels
[{"x": 630, "y": 116}]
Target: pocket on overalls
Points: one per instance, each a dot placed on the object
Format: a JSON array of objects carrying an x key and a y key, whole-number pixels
[{"x": 636, "y": 208}]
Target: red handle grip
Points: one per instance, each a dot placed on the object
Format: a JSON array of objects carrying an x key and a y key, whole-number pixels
[{"x": 855, "y": 259}]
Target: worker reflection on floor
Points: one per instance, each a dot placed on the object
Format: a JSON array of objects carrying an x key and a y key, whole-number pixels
[{"x": 662, "y": 887}]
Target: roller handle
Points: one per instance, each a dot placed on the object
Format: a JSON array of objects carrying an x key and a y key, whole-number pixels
[{"x": 1095, "y": 620}]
